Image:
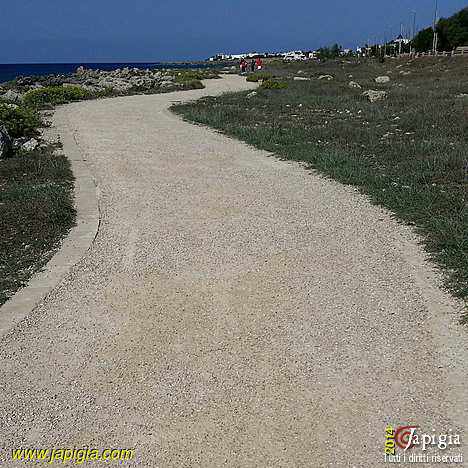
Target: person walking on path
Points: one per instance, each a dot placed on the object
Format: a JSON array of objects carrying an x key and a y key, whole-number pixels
[
  {"x": 243, "y": 66},
  {"x": 252, "y": 65},
  {"x": 259, "y": 63}
]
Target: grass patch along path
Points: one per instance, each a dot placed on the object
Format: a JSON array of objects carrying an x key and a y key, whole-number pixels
[
  {"x": 36, "y": 211},
  {"x": 407, "y": 152}
]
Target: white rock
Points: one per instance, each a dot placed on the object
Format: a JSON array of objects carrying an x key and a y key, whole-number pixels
[
  {"x": 30, "y": 145},
  {"x": 12, "y": 96},
  {"x": 354, "y": 84},
  {"x": 382, "y": 79},
  {"x": 374, "y": 96}
]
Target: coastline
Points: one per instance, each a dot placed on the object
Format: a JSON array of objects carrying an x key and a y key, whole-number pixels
[{"x": 11, "y": 71}]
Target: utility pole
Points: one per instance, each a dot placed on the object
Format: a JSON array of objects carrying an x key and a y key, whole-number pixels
[
  {"x": 414, "y": 33},
  {"x": 435, "y": 39},
  {"x": 401, "y": 38}
]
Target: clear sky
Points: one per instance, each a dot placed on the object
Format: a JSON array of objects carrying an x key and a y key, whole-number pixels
[{"x": 152, "y": 30}]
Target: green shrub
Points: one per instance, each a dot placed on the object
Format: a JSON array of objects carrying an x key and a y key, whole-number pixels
[
  {"x": 190, "y": 75},
  {"x": 55, "y": 95},
  {"x": 270, "y": 84},
  {"x": 252, "y": 78},
  {"x": 20, "y": 121},
  {"x": 260, "y": 76},
  {"x": 106, "y": 92},
  {"x": 193, "y": 84}
]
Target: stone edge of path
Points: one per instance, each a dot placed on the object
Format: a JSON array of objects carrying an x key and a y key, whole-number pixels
[{"x": 73, "y": 246}]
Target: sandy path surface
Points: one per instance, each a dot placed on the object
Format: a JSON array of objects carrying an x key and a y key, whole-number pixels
[{"x": 234, "y": 310}]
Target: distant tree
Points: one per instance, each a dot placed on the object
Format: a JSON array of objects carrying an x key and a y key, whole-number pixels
[
  {"x": 329, "y": 52},
  {"x": 336, "y": 50},
  {"x": 423, "y": 40},
  {"x": 453, "y": 31}
]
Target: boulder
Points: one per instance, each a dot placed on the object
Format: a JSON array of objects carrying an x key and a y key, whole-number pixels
[
  {"x": 120, "y": 86},
  {"x": 92, "y": 89},
  {"x": 382, "y": 79},
  {"x": 142, "y": 82},
  {"x": 251, "y": 95},
  {"x": 25, "y": 81},
  {"x": 166, "y": 84},
  {"x": 325, "y": 77},
  {"x": 354, "y": 84},
  {"x": 18, "y": 143},
  {"x": 375, "y": 96},
  {"x": 12, "y": 96},
  {"x": 80, "y": 70},
  {"x": 5, "y": 143},
  {"x": 30, "y": 145}
]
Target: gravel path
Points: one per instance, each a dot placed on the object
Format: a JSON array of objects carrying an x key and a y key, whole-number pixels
[{"x": 234, "y": 310}]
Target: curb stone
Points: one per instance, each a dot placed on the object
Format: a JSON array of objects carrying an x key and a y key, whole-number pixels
[{"x": 73, "y": 246}]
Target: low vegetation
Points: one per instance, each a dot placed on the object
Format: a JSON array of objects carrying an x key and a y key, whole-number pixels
[
  {"x": 182, "y": 76},
  {"x": 55, "y": 95},
  {"x": 192, "y": 79},
  {"x": 407, "y": 152},
  {"x": 274, "y": 84},
  {"x": 259, "y": 76},
  {"x": 19, "y": 121},
  {"x": 36, "y": 193},
  {"x": 191, "y": 84},
  {"x": 36, "y": 210}
]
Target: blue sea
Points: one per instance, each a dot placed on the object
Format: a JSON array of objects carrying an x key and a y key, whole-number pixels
[{"x": 11, "y": 71}]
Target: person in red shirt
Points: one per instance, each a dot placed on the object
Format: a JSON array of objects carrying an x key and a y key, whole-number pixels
[
  {"x": 243, "y": 66},
  {"x": 259, "y": 63}
]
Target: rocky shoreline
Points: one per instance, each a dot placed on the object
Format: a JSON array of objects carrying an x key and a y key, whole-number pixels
[
  {"x": 24, "y": 96},
  {"x": 120, "y": 81}
]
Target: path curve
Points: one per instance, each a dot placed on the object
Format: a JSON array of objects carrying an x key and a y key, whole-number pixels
[{"x": 234, "y": 310}]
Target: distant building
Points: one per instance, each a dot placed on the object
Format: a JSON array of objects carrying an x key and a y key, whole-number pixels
[
  {"x": 291, "y": 55},
  {"x": 402, "y": 39}
]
